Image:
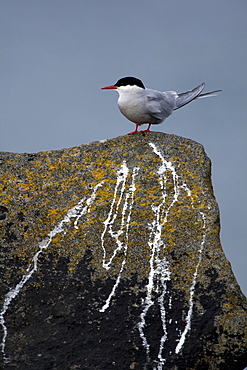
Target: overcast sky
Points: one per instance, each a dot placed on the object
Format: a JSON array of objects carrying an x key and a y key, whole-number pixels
[{"x": 57, "y": 54}]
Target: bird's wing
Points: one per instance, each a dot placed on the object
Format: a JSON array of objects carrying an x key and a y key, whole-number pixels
[
  {"x": 186, "y": 97},
  {"x": 160, "y": 105}
]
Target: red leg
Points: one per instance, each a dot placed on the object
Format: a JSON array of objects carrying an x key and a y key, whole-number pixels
[
  {"x": 134, "y": 132},
  {"x": 148, "y": 129}
]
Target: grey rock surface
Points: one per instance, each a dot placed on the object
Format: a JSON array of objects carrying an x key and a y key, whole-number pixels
[{"x": 111, "y": 259}]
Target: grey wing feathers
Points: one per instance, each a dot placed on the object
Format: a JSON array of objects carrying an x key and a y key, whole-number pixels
[
  {"x": 153, "y": 105},
  {"x": 160, "y": 105},
  {"x": 186, "y": 97}
]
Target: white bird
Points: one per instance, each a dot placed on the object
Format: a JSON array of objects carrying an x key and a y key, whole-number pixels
[{"x": 141, "y": 105}]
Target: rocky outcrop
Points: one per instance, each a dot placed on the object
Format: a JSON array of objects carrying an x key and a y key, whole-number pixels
[{"x": 111, "y": 259}]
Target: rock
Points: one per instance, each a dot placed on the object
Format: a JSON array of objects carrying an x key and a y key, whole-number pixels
[{"x": 111, "y": 259}]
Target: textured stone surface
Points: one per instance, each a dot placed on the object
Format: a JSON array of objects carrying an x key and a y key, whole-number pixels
[{"x": 111, "y": 259}]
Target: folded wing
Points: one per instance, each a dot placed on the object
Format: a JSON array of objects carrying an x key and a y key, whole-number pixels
[{"x": 160, "y": 105}]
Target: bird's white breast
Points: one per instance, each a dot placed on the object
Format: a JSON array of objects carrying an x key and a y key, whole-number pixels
[{"x": 131, "y": 103}]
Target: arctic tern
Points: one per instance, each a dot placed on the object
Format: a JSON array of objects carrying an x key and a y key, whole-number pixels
[{"x": 141, "y": 105}]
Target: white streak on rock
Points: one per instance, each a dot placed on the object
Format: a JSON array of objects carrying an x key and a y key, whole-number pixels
[
  {"x": 108, "y": 301},
  {"x": 125, "y": 221},
  {"x": 178, "y": 185},
  {"x": 77, "y": 211},
  {"x": 122, "y": 174},
  {"x": 159, "y": 267},
  {"x": 164, "y": 277}
]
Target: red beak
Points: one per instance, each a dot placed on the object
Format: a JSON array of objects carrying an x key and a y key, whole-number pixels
[{"x": 109, "y": 87}]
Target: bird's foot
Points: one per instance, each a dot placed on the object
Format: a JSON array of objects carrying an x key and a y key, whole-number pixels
[
  {"x": 133, "y": 132},
  {"x": 148, "y": 129},
  {"x": 136, "y": 130}
]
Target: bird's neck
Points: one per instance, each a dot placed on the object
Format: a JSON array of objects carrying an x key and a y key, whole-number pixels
[{"x": 130, "y": 92}]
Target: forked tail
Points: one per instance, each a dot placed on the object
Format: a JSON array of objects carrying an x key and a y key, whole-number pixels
[{"x": 186, "y": 97}]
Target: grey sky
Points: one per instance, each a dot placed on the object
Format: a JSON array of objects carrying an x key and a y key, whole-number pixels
[{"x": 57, "y": 54}]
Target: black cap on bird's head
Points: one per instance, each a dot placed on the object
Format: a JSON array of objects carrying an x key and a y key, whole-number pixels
[
  {"x": 125, "y": 81},
  {"x": 131, "y": 81}
]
